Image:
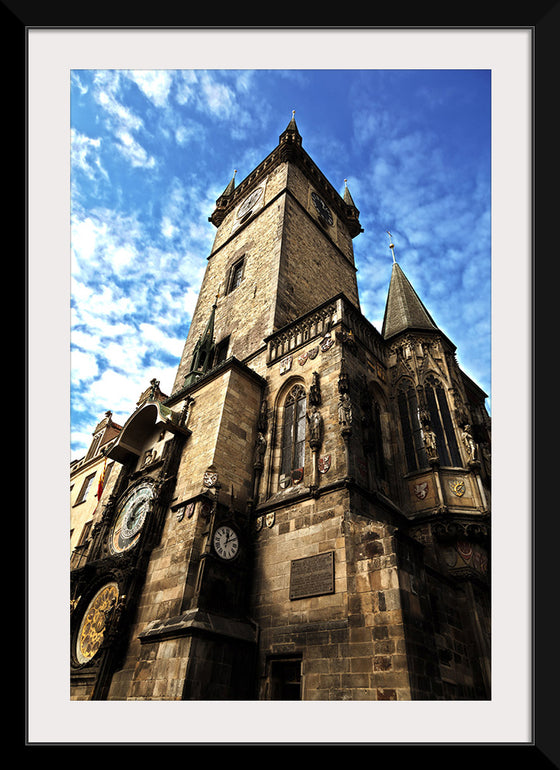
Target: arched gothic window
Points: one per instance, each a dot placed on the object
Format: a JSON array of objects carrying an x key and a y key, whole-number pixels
[
  {"x": 293, "y": 437},
  {"x": 415, "y": 452},
  {"x": 441, "y": 423}
]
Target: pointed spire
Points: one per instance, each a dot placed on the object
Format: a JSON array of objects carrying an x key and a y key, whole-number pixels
[
  {"x": 352, "y": 213},
  {"x": 347, "y": 197},
  {"x": 203, "y": 354},
  {"x": 222, "y": 202},
  {"x": 291, "y": 135},
  {"x": 404, "y": 309},
  {"x": 208, "y": 333},
  {"x": 231, "y": 186},
  {"x": 292, "y": 124}
]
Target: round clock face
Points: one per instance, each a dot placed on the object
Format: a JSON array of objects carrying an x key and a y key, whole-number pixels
[
  {"x": 322, "y": 208},
  {"x": 92, "y": 627},
  {"x": 226, "y": 542},
  {"x": 130, "y": 518},
  {"x": 249, "y": 202}
]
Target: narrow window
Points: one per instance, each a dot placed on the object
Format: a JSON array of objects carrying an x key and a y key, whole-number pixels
[
  {"x": 88, "y": 481},
  {"x": 236, "y": 275},
  {"x": 441, "y": 423},
  {"x": 411, "y": 429},
  {"x": 221, "y": 351},
  {"x": 85, "y": 533},
  {"x": 293, "y": 437}
]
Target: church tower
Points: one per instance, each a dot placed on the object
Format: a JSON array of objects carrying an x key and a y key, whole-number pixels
[{"x": 306, "y": 515}]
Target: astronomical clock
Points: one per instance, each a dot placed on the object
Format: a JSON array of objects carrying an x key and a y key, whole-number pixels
[{"x": 105, "y": 590}]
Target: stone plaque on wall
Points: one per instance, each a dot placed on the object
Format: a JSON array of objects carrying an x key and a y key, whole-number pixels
[{"x": 312, "y": 576}]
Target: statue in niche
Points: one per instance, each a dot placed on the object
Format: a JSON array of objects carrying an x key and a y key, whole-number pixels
[
  {"x": 260, "y": 448},
  {"x": 315, "y": 390},
  {"x": 469, "y": 442},
  {"x": 315, "y": 422},
  {"x": 430, "y": 443},
  {"x": 344, "y": 410}
]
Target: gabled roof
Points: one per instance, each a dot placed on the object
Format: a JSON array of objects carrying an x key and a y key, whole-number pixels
[{"x": 404, "y": 309}]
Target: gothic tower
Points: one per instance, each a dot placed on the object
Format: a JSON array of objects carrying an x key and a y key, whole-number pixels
[{"x": 306, "y": 515}]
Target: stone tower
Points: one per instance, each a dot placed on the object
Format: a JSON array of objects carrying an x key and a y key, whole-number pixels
[{"x": 306, "y": 515}]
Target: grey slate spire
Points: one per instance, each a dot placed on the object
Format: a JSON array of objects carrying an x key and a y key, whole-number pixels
[{"x": 404, "y": 309}]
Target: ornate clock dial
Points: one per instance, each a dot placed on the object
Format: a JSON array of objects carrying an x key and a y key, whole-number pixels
[
  {"x": 92, "y": 628},
  {"x": 322, "y": 208},
  {"x": 249, "y": 202},
  {"x": 130, "y": 518},
  {"x": 226, "y": 542}
]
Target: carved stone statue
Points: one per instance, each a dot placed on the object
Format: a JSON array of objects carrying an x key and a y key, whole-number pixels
[
  {"x": 469, "y": 443},
  {"x": 315, "y": 390},
  {"x": 153, "y": 390},
  {"x": 260, "y": 448},
  {"x": 315, "y": 422},
  {"x": 429, "y": 441},
  {"x": 344, "y": 410}
]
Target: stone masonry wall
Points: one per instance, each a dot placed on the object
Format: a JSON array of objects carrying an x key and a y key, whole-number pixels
[
  {"x": 350, "y": 642},
  {"x": 246, "y": 314}
]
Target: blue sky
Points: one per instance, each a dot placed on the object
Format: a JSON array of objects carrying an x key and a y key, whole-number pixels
[{"x": 152, "y": 150}]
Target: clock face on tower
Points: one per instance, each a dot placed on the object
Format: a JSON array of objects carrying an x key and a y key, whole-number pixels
[
  {"x": 92, "y": 627},
  {"x": 322, "y": 209},
  {"x": 131, "y": 516},
  {"x": 226, "y": 542},
  {"x": 248, "y": 204}
]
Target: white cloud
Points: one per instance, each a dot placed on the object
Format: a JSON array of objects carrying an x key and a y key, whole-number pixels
[
  {"x": 85, "y": 154},
  {"x": 86, "y": 235},
  {"x": 121, "y": 116},
  {"x": 122, "y": 256},
  {"x": 157, "y": 339},
  {"x": 84, "y": 367},
  {"x": 117, "y": 391},
  {"x": 133, "y": 150},
  {"x": 155, "y": 84}
]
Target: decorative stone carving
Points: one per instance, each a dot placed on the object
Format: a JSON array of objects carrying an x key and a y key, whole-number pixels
[
  {"x": 315, "y": 390},
  {"x": 315, "y": 422},
  {"x": 344, "y": 411},
  {"x": 469, "y": 443},
  {"x": 260, "y": 449}
]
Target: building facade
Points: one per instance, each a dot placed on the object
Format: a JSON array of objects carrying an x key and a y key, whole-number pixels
[
  {"x": 307, "y": 515},
  {"x": 88, "y": 477}
]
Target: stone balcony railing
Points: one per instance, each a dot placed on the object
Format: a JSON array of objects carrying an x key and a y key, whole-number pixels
[{"x": 321, "y": 320}]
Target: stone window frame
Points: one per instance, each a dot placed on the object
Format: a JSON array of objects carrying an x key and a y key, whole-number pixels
[
  {"x": 222, "y": 349},
  {"x": 86, "y": 486},
  {"x": 295, "y": 394},
  {"x": 236, "y": 275}
]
